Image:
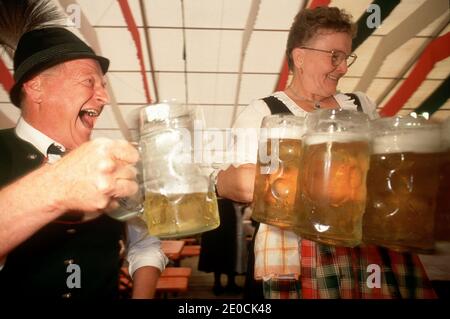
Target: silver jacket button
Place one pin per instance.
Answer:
(68, 261)
(31, 156)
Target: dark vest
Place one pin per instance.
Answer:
(38, 268)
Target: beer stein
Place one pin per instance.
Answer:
(335, 160)
(442, 226)
(279, 154)
(180, 198)
(402, 184)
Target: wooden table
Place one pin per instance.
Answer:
(172, 248)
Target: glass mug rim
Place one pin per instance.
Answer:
(400, 123)
(283, 125)
(400, 134)
(284, 115)
(337, 121)
(163, 114)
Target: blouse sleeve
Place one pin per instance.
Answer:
(246, 129)
(368, 106)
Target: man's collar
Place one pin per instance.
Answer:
(38, 139)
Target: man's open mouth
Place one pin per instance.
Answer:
(88, 117)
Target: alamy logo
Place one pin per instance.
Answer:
(374, 19)
(73, 16)
(374, 279)
(74, 279)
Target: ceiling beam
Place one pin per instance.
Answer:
(246, 35)
(149, 49)
(428, 12)
(413, 59)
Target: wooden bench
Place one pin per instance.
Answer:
(173, 285)
(172, 280)
(177, 272)
(172, 248)
(190, 251)
(125, 283)
(190, 241)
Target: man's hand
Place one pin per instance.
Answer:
(92, 176)
(87, 179)
(237, 183)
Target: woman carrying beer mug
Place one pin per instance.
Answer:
(319, 53)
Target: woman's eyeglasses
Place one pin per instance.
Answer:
(337, 56)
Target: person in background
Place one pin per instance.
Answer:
(319, 54)
(218, 257)
(60, 90)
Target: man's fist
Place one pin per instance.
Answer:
(92, 176)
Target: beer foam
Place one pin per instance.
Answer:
(340, 137)
(423, 141)
(295, 133)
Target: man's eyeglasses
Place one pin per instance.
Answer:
(337, 56)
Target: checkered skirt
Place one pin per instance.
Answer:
(368, 272)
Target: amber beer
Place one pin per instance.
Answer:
(442, 227)
(402, 185)
(277, 170)
(334, 190)
(179, 191)
(179, 215)
(334, 165)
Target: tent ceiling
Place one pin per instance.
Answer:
(213, 36)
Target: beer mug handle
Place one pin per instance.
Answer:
(133, 206)
(129, 207)
(212, 183)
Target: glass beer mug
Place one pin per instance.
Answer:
(277, 169)
(402, 184)
(180, 198)
(334, 165)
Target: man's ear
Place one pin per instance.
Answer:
(298, 56)
(33, 89)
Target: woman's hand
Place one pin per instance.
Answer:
(237, 183)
